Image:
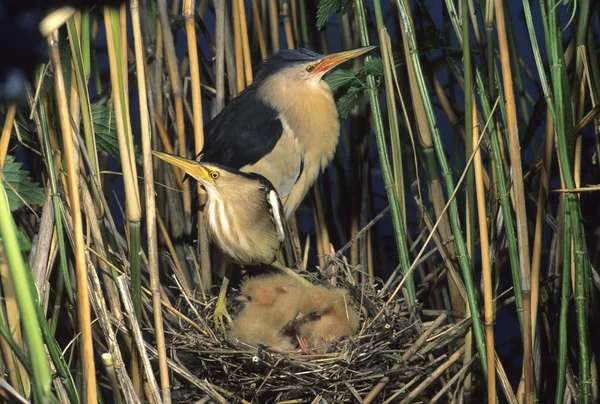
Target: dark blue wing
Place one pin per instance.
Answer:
(243, 132)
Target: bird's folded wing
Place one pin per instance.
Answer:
(242, 133)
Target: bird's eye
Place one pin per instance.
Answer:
(310, 68)
(214, 175)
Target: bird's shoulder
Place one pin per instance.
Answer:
(243, 132)
(274, 204)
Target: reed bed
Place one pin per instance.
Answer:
(461, 209)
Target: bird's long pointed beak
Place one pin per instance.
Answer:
(336, 59)
(191, 167)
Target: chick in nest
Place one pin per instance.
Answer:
(264, 290)
(271, 303)
(326, 315)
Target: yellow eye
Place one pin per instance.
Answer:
(214, 175)
(310, 68)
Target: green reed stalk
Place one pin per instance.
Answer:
(447, 175)
(470, 180)
(26, 301)
(561, 380)
(126, 149)
(564, 132)
(388, 178)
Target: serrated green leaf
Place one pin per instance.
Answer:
(20, 182)
(340, 78)
(349, 100)
(105, 128)
(24, 241)
(372, 66)
(327, 8)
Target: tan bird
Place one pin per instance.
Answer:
(272, 302)
(326, 315)
(244, 219)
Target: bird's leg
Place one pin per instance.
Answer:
(291, 272)
(220, 315)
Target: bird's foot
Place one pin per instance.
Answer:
(221, 317)
(303, 344)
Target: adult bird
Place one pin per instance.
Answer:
(243, 215)
(284, 126)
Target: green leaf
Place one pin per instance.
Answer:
(24, 241)
(340, 78)
(327, 8)
(105, 128)
(349, 100)
(372, 66)
(19, 181)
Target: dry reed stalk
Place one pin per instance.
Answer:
(133, 211)
(435, 226)
(321, 232)
(505, 383)
(123, 36)
(434, 375)
(258, 26)
(239, 51)
(241, 9)
(171, 56)
(274, 24)
(83, 304)
(466, 367)
(6, 131)
(164, 137)
(452, 115)
(406, 356)
(171, 248)
(198, 126)
(150, 203)
(287, 25)
(519, 199)
(486, 267)
(158, 69)
(219, 101)
(100, 308)
(294, 12)
(450, 267)
(39, 256)
(109, 367)
(138, 338)
(435, 186)
(14, 369)
(95, 234)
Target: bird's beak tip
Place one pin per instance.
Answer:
(336, 59)
(190, 167)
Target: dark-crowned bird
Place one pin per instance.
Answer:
(284, 126)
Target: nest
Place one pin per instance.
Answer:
(346, 372)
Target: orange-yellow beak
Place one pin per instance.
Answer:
(336, 59)
(190, 167)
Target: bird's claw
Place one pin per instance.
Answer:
(303, 344)
(221, 318)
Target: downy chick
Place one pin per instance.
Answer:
(326, 315)
(272, 301)
(265, 289)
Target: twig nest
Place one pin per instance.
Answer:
(347, 369)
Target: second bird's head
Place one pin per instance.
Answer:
(214, 178)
